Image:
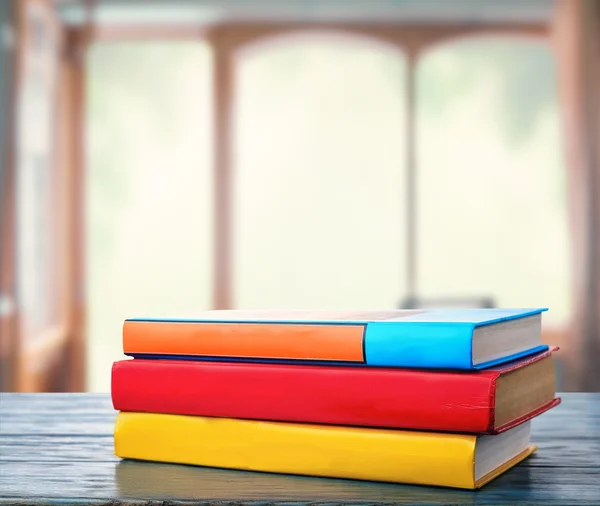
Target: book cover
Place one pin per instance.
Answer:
(489, 401)
(426, 458)
(445, 339)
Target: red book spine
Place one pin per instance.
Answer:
(373, 397)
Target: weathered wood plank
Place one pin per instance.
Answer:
(65, 414)
(130, 481)
(59, 448)
(56, 449)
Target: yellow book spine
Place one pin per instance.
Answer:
(314, 450)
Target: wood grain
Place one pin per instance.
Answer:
(58, 448)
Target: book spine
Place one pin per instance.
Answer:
(336, 452)
(424, 345)
(327, 342)
(357, 396)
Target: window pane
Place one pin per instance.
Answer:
(36, 170)
(492, 195)
(319, 176)
(149, 189)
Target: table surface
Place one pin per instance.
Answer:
(58, 448)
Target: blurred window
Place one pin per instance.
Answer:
(149, 188)
(492, 208)
(319, 174)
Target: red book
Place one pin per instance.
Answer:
(488, 401)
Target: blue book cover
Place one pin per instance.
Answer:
(465, 339)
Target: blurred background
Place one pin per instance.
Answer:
(168, 157)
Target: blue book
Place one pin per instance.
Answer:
(464, 339)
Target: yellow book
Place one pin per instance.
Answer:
(427, 458)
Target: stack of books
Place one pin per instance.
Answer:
(432, 397)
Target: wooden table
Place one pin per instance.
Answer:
(58, 448)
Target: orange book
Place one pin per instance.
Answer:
(259, 340)
(433, 339)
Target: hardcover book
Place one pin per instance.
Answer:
(489, 401)
(427, 458)
(466, 339)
